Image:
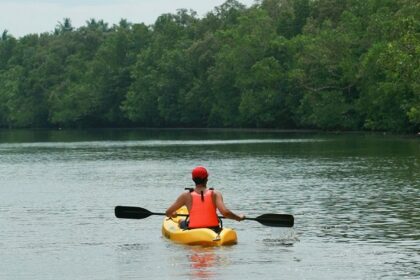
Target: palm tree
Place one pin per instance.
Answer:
(63, 27)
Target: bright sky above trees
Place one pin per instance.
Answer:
(23, 17)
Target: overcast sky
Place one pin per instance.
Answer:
(21, 17)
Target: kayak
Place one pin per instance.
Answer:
(197, 236)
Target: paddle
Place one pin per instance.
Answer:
(271, 220)
(130, 212)
(274, 220)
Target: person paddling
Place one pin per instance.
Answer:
(202, 203)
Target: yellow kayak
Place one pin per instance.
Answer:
(197, 236)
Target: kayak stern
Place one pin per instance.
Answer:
(197, 236)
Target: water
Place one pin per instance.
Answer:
(355, 199)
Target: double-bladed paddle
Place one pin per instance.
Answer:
(271, 220)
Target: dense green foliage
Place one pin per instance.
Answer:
(328, 64)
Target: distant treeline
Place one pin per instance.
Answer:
(327, 64)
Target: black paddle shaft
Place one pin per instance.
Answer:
(271, 220)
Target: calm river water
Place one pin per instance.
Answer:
(355, 198)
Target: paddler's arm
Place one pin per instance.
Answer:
(179, 202)
(224, 210)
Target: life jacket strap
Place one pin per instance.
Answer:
(192, 189)
(202, 193)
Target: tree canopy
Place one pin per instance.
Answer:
(326, 64)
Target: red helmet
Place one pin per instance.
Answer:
(199, 173)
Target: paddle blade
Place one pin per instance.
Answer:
(130, 212)
(276, 220)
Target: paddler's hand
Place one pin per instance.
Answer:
(174, 215)
(240, 218)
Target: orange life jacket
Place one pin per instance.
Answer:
(203, 210)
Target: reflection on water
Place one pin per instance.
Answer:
(204, 261)
(354, 198)
(149, 143)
